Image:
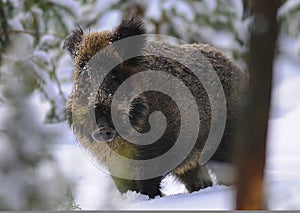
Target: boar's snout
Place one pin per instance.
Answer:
(104, 134)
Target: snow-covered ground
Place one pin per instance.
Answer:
(95, 189)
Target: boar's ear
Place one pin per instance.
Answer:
(72, 41)
(131, 27)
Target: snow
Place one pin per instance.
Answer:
(47, 40)
(154, 11)
(95, 187)
(109, 20)
(23, 43)
(219, 196)
(287, 7)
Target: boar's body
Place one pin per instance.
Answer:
(198, 56)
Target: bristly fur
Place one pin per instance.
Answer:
(128, 28)
(72, 41)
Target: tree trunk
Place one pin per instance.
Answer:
(251, 135)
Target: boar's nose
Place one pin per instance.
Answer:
(104, 134)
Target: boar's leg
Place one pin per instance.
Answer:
(195, 179)
(225, 149)
(123, 185)
(150, 187)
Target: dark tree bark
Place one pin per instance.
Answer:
(251, 135)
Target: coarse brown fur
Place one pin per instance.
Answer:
(82, 47)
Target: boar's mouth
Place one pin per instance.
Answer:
(104, 134)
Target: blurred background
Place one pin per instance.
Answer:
(41, 166)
